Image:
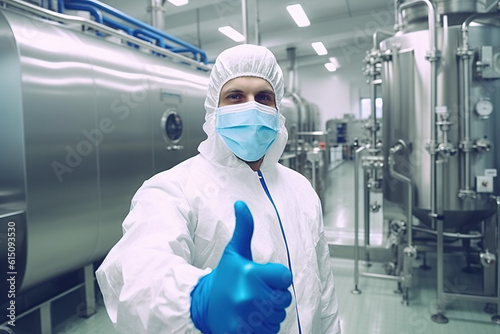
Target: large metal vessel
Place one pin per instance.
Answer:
(460, 132)
(439, 78)
(84, 121)
(306, 150)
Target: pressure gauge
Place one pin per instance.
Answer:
(484, 108)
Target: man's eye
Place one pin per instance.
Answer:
(234, 96)
(264, 98)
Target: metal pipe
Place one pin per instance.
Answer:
(397, 16)
(373, 90)
(409, 251)
(469, 298)
(295, 139)
(156, 9)
(356, 219)
(496, 317)
(313, 177)
(302, 109)
(373, 116)
(399, 148)
(366, 211)
(465, 54)
(244, 19)
(375, 37)
(45, 319)
(99, 27)
(257, 23)
(90, 303)
(449, 234)
(313, 133)
(382, 276)
(292, 69)
(467, 121)
(493, 5)
(431, 19)
(440, 273)
(198, 32)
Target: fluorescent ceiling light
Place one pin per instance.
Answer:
(231, 33)
(331, 67)
(179, 2)
(298, 15)
(334, 61)
(319, 48)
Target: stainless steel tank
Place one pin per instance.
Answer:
(457, 10)
(83, 122)
(291, 111)
(466, 143)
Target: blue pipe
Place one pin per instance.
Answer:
(93, 11)
(119, 26)
(116, 25)
(198, 54)
(60, 6)
(151, 35)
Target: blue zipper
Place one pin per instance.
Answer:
(263, 183)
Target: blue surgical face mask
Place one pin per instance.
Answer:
(248, 129)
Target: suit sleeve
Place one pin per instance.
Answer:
(147, 277)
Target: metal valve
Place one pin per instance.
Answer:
(483, 145)
(410, 251)
(447, 149)
(487, 259)
(397, 227)
(375, 207)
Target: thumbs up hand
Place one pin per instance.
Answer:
(239, 295)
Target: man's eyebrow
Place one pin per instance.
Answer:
(237, 90)
(267, 91)
(232, 90)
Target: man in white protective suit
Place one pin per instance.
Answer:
(228, 241)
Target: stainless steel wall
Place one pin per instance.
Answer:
(80, 130)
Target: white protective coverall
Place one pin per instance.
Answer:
(182, 219)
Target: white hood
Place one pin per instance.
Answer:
(239, 61)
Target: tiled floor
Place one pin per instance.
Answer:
(378, 309)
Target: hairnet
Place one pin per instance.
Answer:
(239, 61)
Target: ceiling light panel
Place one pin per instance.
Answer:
(298, 15)
(330, 67)
(319, 48)
(334, 61)
(179, 2)
(232, 33)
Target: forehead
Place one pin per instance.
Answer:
(247, 83)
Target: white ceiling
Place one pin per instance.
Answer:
(344, 26)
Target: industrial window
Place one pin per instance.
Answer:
(365, 108)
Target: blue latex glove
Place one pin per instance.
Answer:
(241, 296)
